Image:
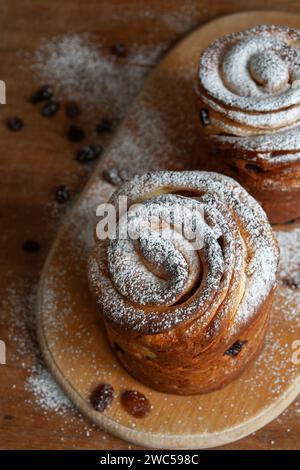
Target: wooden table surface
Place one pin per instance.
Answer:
(34, 161)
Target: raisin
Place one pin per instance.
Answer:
(42, 94)
(235, 348)
(15, 124)
(89, 153)
(104, 126)
(50, 109)
(115, 176)
(292, 283)
(102, 397)
(253, 167)
(62, 194)
(119, 50)
(293, 221)
(204, 117)
(76, 134)
(31, 246)
(135, 403)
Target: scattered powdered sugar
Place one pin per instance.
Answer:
(146, 148)
(17, 307)
(180, 20)
(290, 275)
(18, 311)
(290, 252)
(81, 69)
(47, 394)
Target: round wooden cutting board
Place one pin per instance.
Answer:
(159, 133)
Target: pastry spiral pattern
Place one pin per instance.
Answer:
(251, 80)
(248, 99)
(182, 289)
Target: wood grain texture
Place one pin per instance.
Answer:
(33, 163)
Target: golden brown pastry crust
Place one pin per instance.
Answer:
(186, 320)
(248, 105)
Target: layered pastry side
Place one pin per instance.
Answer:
(248, 110)
(186, 298)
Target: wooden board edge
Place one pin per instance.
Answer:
(158, 440)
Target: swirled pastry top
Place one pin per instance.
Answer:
(209, 255)
(255, 76)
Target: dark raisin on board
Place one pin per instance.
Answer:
(115, 176)
(135, 403)
(235, 348)
(42, 94)
(204, 117)
(62, 194)
(89, 153)
(253, 167)
(50, 108)
(102, 397)
(72, 109)
(14, 124)
(76, 133)
(292, 283)
(119, 50)
(104, 126)
(31, 246)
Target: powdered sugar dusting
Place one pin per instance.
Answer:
(256, 233)
(18, 309)
(148, 146)
(290, 252)
(287, 142)
(46, 392)
(235, 52)
(290, 275)
(81, 69)
(249, 82)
